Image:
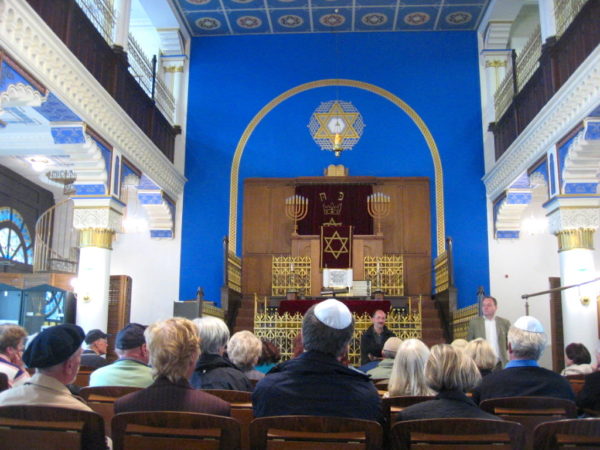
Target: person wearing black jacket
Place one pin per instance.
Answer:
(213, 369)
(372, 340)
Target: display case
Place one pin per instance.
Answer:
(10, 304)
(46, 305)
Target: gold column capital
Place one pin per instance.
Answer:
(582, 238)
(96, 237)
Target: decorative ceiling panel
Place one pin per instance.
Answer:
(237, 17)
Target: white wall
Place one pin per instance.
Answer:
(523, 266)
(153, 265)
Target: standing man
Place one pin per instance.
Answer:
(492, 328)
(96, 344)
(372, 340)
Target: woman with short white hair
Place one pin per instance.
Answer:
(244, 349)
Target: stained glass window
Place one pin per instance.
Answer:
(15, 240)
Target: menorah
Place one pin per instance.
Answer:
(296, 208)
(378, 206)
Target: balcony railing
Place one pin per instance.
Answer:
(538, 78)
(69, 22)
(102, 15)
(565, 12)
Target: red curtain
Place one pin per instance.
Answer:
(336, 247)
(336, 205)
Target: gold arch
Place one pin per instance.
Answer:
(435, 156)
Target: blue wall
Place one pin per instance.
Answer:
(232, 78)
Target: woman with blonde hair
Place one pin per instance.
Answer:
(173, 346)
(482, 353)
(451, 374)
(408, 376)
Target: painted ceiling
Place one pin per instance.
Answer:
(239, 17)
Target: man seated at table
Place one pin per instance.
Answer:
(372, 340)
(55, 353)
(522, 376)
(131, 369)
(316, 383)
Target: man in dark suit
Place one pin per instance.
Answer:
(492, 328)
(522, 375)
(316, 382)
(372, 340)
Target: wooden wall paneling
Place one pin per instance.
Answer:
(256, 213)
(281, 226)
(416, 218)
(417, 274)
(256, 276)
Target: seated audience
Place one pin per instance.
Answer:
(55, 353)
(408, 371)
(589, 396)
(316, 383)
(213, 369)
(243, 350)
(384, 368)
(269, 356)
(96, 346)
(372, 340)
(578, 360)
(297, 346)
(131, 369)
(451, 373)
(12, 344)
(522, 376)
(482, 353)
(173, 345)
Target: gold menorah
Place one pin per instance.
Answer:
(296, 208)
(378, 205)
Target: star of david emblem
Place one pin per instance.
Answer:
(336, 120)
(336, 238)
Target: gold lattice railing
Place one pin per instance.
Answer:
(460, 320)
(290, 273)
(565, 11)
(442, 279)
(504, 94)
(386, 273)
(528, 58)
(282, 329)
(234, 272)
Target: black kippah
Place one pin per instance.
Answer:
(53, 345)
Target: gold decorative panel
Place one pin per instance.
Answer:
(440, 265)
(386, 273)
(460, 320)
(406, 323)
(234, 272)
(290, 273)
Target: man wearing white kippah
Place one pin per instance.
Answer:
(316, 383)
(522, 375)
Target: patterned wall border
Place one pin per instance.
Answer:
(32, 44)
(435, 156)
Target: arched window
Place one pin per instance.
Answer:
(15, 240)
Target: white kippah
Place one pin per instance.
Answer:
(333, 313)
(529, 323)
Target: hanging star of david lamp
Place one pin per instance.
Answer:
(336, 126)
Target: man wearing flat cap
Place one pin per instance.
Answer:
(96, 346)
(316, 383)
(55, 353)
(131, 369)
(522, 376)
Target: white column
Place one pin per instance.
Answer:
(123, 10)
(97, 220)
(547, 19)
(574, 221)
(92, 287)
